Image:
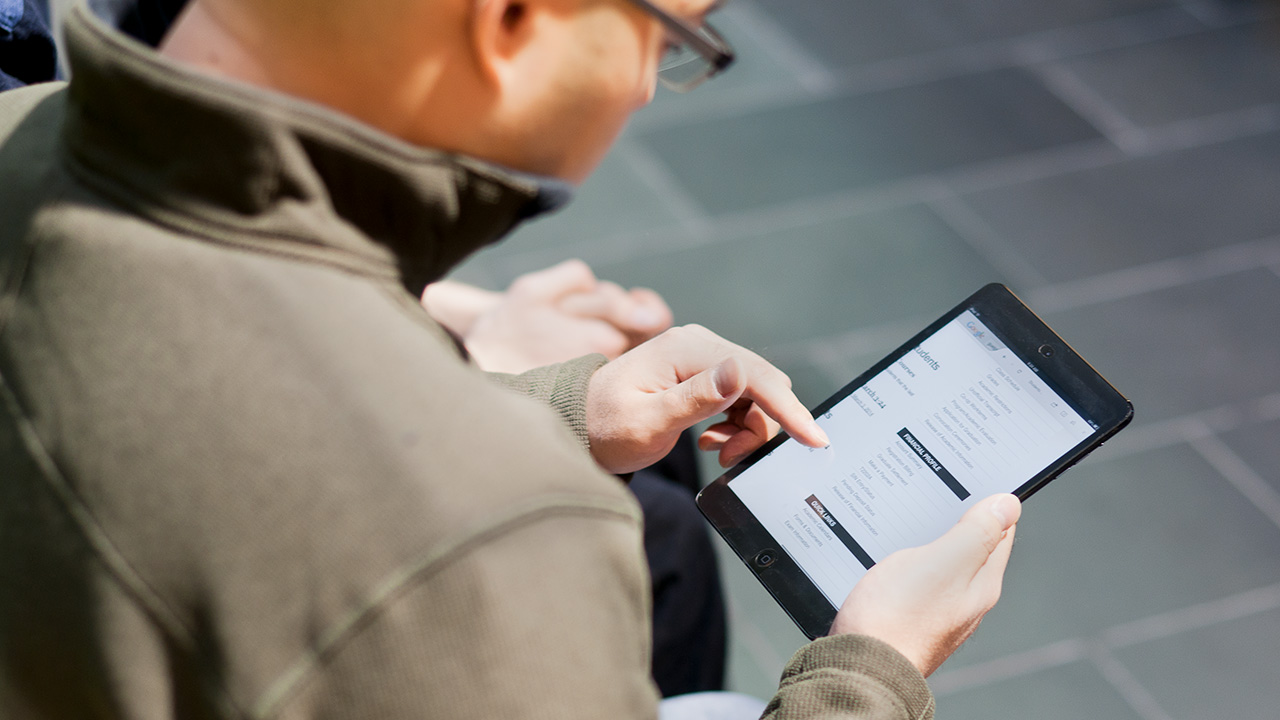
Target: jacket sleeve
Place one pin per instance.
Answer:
(562, 386)
(851, 677)
(846, 677)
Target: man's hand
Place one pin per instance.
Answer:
(547, 317)
(927, 601)
(639, 404)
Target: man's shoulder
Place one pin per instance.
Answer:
(245, 424)
(17, 104)
(289, 445)
(176, 366)
(30, 120)
(277, 366)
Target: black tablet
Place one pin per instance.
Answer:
(985, 400)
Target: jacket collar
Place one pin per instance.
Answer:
(255, 168)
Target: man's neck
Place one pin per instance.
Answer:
(202, 38)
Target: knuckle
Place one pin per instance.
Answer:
(701, 332)
(609, 343)
(782, 377)
(992, 533)
(576, 268)
(681, 333)
(611, 290)
(522, 285)
(676, 401)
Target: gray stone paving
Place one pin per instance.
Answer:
(1117, 162)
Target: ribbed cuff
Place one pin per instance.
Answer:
(854, 675)
(563, 387)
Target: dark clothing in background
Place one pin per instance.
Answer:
(688, 607)
(689, 626)
(145, 20)
(27, 52)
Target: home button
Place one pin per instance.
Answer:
(765, 558)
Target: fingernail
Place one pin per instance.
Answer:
(726, 379)
(643, 317)
(822, 436)
(1000, 508)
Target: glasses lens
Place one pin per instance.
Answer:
(682, 68)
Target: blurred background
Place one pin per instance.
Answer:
(868, 164)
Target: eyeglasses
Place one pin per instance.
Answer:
(694, 54)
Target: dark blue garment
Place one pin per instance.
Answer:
(27, 53)
(145, 20)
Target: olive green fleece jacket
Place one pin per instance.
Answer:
(242, 474)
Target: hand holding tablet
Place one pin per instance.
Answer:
(927, 601)
(986, 400)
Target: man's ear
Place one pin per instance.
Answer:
(499, 30)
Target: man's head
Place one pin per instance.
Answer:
(538, 85)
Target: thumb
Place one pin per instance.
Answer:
(704, 395)
(971, 542)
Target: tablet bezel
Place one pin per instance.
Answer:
(1024, 333)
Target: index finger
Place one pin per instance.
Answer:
(770, 389)
(762, 383)
(790, 413)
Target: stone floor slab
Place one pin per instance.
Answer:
(783, 154)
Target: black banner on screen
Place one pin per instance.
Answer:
(943, 474)
(817, 507)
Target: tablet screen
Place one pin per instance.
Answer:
(958, 418)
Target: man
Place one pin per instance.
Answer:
(247, 476)
(546, 317)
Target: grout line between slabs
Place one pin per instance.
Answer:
(669, 190)
(987, 242)
(691, 231)
(816, 210)
(824, 352)
(1158, 275)
(1090, 105)
(1202, 12)
(1211, 129)
(810, 72)
(1201, 431)
(1243, 478)
(1192, 427)
(1020, 51)
(1115, 673)
(1100, 647)
(1169, 624)
(1008, 667)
